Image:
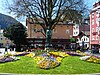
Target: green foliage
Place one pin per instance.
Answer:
(72, 39)
(16, 33)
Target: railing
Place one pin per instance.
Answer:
(94, 33)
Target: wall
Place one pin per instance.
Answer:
(61, 31)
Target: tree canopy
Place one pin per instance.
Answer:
(50, 11)
(16, 33)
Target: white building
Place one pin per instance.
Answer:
(83, 38)
(3, 40)
(82, 34)
(75, 30)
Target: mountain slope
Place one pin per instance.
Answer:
(6, 20)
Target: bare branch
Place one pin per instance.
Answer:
(50, 11)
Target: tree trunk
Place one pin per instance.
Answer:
(48, 38)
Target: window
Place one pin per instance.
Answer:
(98, 10)
(96, 29)
(92, 37)
(41, 30)
(86, 39)
(76, 27)
(77, 39)
(92, 15)
(86, 45)
(82, 39)
(92, 30)
(97, 22)
(34, 30)
(1, 38)
(67, 31)
(76, 32)
(92, 22)
(96, 37)
(97, 14)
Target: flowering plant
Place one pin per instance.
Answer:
(94, 59)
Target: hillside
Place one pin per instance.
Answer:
(6, 20)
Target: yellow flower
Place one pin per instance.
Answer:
(78, 51)
(59, 59)
(31, 55)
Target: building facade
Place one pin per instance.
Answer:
(75, 30)
(82, 34)
(60, 34)
(3, 40)
(83, 40)
(95, 26)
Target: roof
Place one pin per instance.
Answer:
(81, 34)
(84, 28)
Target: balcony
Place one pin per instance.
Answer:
(94, 33)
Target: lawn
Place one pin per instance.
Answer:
(69, 65)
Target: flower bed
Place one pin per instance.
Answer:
(30, 54)
(93, 59)
(77, 53)
(39, 58)
(48, 63)
(73, 54)
(21, 53)
(9, 57)
(50, 60)
(60, 54)
(4, 59)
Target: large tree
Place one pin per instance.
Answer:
(17, 34)
(50, 11)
